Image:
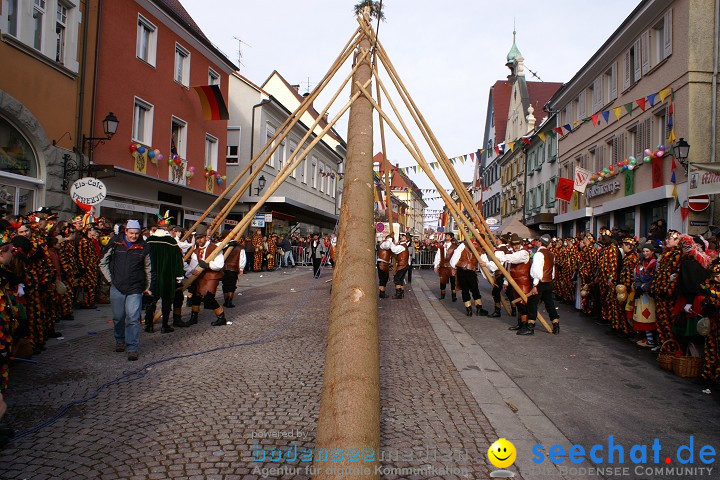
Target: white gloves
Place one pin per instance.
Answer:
(688, 308)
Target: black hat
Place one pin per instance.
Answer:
(451, 234)
(545, 240)
(201, 231)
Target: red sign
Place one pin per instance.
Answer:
(698, 203)
(380, 227)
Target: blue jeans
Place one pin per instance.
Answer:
(288, 254)
(126, 311)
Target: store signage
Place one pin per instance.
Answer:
(268, 218)
(547, 227)
(602, 189)
(88, 190)
(258, 220)
(491, 221)
(704, 178)
(698, 223)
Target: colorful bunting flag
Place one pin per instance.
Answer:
(641, 103)
(664, 93)
(542, 136)
(628, 107)
(606, 116)
(595, 119)
(618, 112)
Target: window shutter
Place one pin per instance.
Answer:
(599, 157)
(541, 194)
(639, 141)
(645, 49)
(647, 132)
(667, 34)
(626, 80)
(598, 94)
(613, 82)
(637, 64)
(614, 149)
(582, 105)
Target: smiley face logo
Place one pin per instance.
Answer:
(502, 453)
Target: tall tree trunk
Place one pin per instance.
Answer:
(350, 405)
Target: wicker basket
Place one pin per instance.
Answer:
(669, 350)
(687, 367)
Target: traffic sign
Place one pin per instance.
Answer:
(441, 229)
(380, 227)
(698, 203)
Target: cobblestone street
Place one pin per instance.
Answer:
(199, 416)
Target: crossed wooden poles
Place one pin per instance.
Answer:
(472, 220)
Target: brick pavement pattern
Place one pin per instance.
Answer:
(200, 416)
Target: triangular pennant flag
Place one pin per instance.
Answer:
(674, 192)
(542, 136)
(677, 204)
(512, 146)
(673, 165)
(618, 112)
(525, 140)
(664, 93)
(684, 212)
(671, 137)
(628, 107)
(472, 157)
(558, 130)
(651, 98)
(672, 178)
(606, 115)
(575, 123)
(641, 103)
(452, 161)
(568, 127)
(415, 168)
(595, 119)
(462, 159)
(586, 119)
(497, 150)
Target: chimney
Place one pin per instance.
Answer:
(296, 87)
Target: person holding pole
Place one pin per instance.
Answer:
(519, 261)
(234, 266)
(402, 261)
(383, 264)
(209, 277)
(542, 272)
(465, 263)
(318, 251)
(442, 265)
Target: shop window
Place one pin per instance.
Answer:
(16, 155)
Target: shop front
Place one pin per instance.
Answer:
(20, 182)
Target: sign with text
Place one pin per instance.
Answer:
(565, 188)
(602, 189)
(88, 190)
(704, 178)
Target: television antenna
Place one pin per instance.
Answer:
(240, 54)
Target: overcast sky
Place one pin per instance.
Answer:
(447, 53)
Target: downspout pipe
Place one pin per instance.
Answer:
(83, 77)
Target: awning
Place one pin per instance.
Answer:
(514, 226)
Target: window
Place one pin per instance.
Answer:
(12, 17)
(178, 137)
(213, 77)
(142, 122)
(660, 127)
(323, 174)
(291, 149)
(211, 151)
(659, 40)
(182, 65)
(334, 185)
(550, 192)
(146, 41)
(608, 86)
(233, 146)
(314, 172)
(279, 156)
(269, 133)
(633, 65)
(304, 171)
(60, 24)
(38, 21)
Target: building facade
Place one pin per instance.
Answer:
(409, 196)
(541, 178)
(165, 154)
(48, 50)
(308, 200)
(642, 90)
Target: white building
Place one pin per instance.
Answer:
(308, 201)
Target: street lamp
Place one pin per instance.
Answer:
(261, 185)
(110, 124)
(682, 151)
(513, 202)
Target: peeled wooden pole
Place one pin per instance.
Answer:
(245, 221)
(284, 129)
(458, 214)
(349, 418)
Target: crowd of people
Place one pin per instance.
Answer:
(661, 292)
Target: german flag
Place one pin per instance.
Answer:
(212, 102)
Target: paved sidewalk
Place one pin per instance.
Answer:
(200, 416)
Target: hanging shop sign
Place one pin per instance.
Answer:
(703, 178)
(88, 190)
